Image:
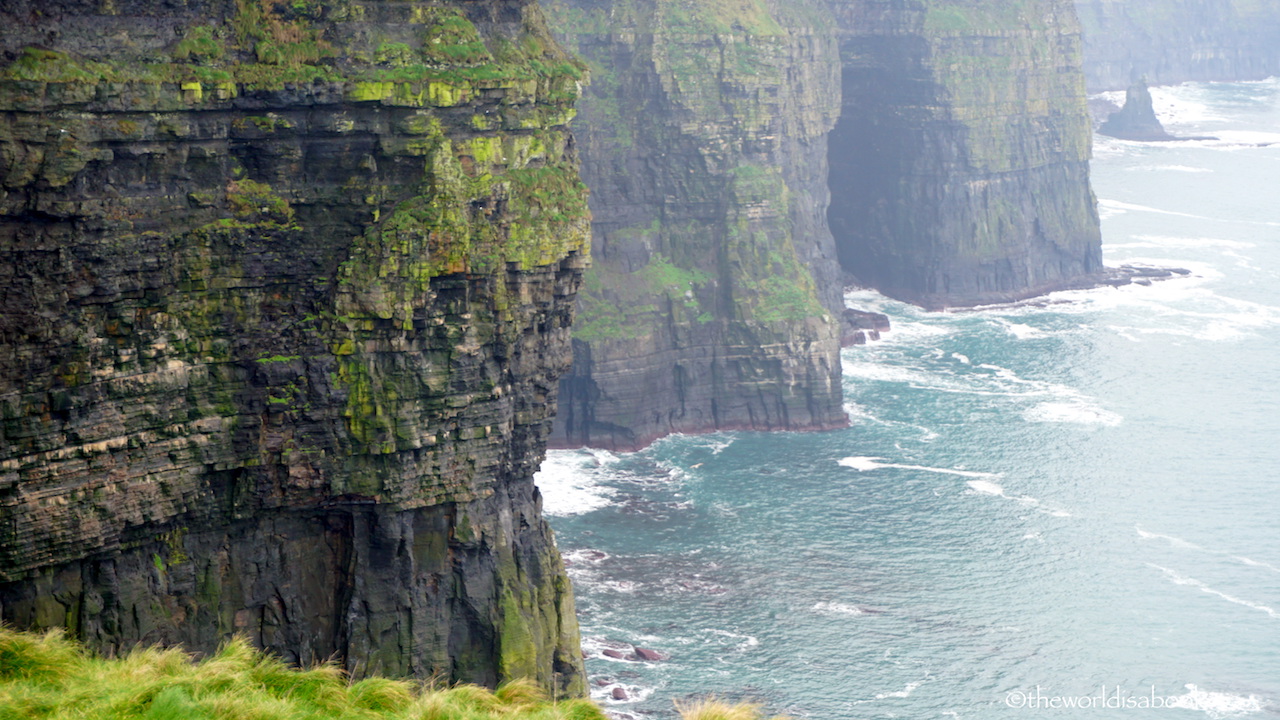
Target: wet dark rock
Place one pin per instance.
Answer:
(651, 655)
(619, 693)
(859, 326)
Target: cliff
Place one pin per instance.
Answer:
(286, 293)
(1173, 41)
(713, 301)
(959, 166)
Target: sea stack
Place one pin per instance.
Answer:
(1137, 119)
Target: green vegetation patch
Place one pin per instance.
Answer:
(256, 201)
(957, 17)
(450, 37)
(48, 676)
(270, 44)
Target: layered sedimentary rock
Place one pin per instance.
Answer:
(286, 291)
(959, 167)
(1172, 41)
(713, 298)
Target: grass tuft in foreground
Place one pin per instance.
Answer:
(717, 710)
(50, 677)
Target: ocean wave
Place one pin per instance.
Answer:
(999, 382)
(986, 487)
(1168, 168)
(838, 608)
(1183, 307)
(1182, 105)
(1174, 541)
(1188, 545)
(584, 556)
(897, 694)
(1131, 207)
(859, 414)
(567, 484)
(1166, 241)
(1236, 139)
(740, 642)
(1218, 705)
(905, 692)
(1255, 563)
(864, 464)
(1020, 331)
(630, 693)
(1077, 413)
(1120, 206)
(1179, 579)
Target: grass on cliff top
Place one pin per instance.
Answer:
(49, 676)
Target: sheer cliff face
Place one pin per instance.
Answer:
(287, 291)
(1172, 41)
(959, 167)
(703, 141)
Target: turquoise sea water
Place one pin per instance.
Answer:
(1073, 501)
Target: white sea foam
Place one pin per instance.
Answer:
(1106, 212)
(986, 487)
(635, 693)
(718, 445)
(863, 464)
(962, 358)
(581, 556)
(1175, 542)
(1170, 241)
(856, 413)
(1218, 705)
(1001, 383)
(1186, 545)
(568, 486)
(1256, 563)
(905, 692)
(741, 642)
(1169, 168)
(1185, 307)
(1071, 412)
(1020, 331)
(1241, 139)
(838, 608)
(1181, 105)
(1117, 205)
(1179, 579)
